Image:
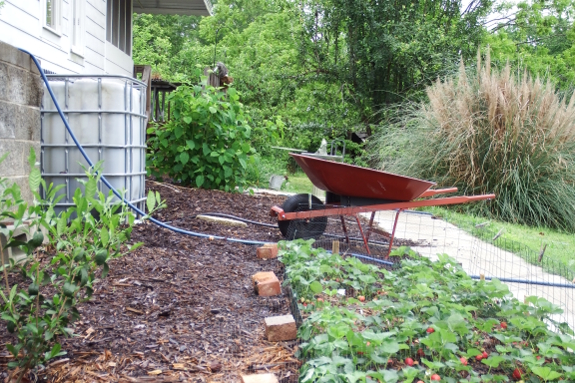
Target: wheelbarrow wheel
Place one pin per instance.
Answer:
(302, 228)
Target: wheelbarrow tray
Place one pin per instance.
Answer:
(355, 181)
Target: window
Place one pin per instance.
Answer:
(119, 25)
(77, 21)
(52, 18)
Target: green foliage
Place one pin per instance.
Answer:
(169, 44)
(325, 67)
(430, 312)
(492, 132)
(540, 38)
(207, 143)
(384, 51)
(84, 237)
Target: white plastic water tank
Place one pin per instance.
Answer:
(108, 117)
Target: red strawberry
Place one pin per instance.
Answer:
(463, 361)
(485, 355)
(517, 374)
(538, 357)
(479, 357)
(409, 361)
(361, 298)
(503, 325)
(430, 330)
(368, 344)
(435, 377)
(420, 352)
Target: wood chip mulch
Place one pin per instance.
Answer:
(180, 308)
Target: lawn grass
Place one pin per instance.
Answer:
(560, 248)
(297, 183)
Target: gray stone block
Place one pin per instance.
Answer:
(33, 67)
(13, 56)
(8, 117)
(17, 85)
(35, 90)
(13, 165)
(4, 82)
(19, 122)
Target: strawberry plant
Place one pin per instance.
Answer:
(430, 319)
(84, 239)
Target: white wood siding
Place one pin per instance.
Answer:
(22, 25)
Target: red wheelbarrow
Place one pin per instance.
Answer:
(351, 190)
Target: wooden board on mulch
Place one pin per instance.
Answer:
(180, 308)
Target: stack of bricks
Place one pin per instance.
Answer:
(278, 328)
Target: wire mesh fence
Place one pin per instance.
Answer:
(527, 272)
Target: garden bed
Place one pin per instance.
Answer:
(179, 308)
(425, 320)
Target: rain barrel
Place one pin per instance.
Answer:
(108, 117)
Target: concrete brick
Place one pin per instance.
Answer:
(19, 122)
(260, 378)
(266, 284)
(4, 83)
(267, 251)
(13, 165)
(280, 328)
(13, 56)
(35, 90)
(17, 85)
(8, 117)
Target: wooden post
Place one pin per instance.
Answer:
(541, 252)
(335, 247)
(213, 78)
(482, 277)
(146, 72)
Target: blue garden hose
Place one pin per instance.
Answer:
(132, 206)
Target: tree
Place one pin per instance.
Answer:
(537, 36)
(169, 44)
(386, 51)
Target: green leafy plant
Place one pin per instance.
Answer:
(421, 320)
(207, 143)
(83, 240)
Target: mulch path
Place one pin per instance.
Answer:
(179, 308)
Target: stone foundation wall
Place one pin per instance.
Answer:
(20, 97)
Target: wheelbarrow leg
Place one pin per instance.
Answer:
(344, 229)
(370, 224)
(393, 232)
(362, 235)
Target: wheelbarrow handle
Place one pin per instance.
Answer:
(431, 193)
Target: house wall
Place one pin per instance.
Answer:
(20, 97)
(22, 25)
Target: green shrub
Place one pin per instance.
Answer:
(207, 143)
(40, 310)
(491, 131)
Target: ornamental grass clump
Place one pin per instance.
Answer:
(492, 132)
